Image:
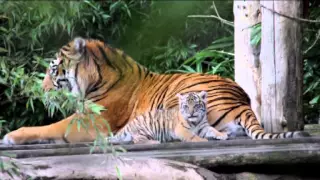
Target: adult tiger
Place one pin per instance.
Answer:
(109, 77)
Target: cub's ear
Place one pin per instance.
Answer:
(181, 97)
(79, 45)
(203, 95)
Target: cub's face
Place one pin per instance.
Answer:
(192, 106)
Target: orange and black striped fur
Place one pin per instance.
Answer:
(111, 78)
(187, 122)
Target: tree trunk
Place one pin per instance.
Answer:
(281, 66)
(247, 65)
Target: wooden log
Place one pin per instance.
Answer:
(208, 154)
(235, 156)
(104, 167)
(246, 61)
(259, 176)
(281, 66)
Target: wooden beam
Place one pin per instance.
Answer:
(224, 152)
(281, 66)
(173, 145)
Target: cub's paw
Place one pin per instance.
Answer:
(199, 139)
(222, 136)
(214, 135)
(146, 141)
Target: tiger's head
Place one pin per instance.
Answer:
(59, 73)
(56, 76)
(80, 66)
(91, 68)
(192, 106)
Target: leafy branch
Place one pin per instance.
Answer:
(213, 16)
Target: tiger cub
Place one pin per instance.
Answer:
(188, 122)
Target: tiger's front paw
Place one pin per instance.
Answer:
(19, 136)
(211, 135)
(222, 136)
(24, 135)
(147, 142)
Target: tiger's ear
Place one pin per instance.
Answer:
(203, 95)
(79, 45)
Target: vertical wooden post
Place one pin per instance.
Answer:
(247, 69)
(281, 66)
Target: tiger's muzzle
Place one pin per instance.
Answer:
(47, 83)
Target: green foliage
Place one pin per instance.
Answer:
(255, 36)
(217, 58)
(311, 46)
(171, 55)
(164, 37)
(20, 90)
(32, 31)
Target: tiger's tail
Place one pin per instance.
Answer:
(253, 128)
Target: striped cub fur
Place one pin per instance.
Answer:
(188, 122)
